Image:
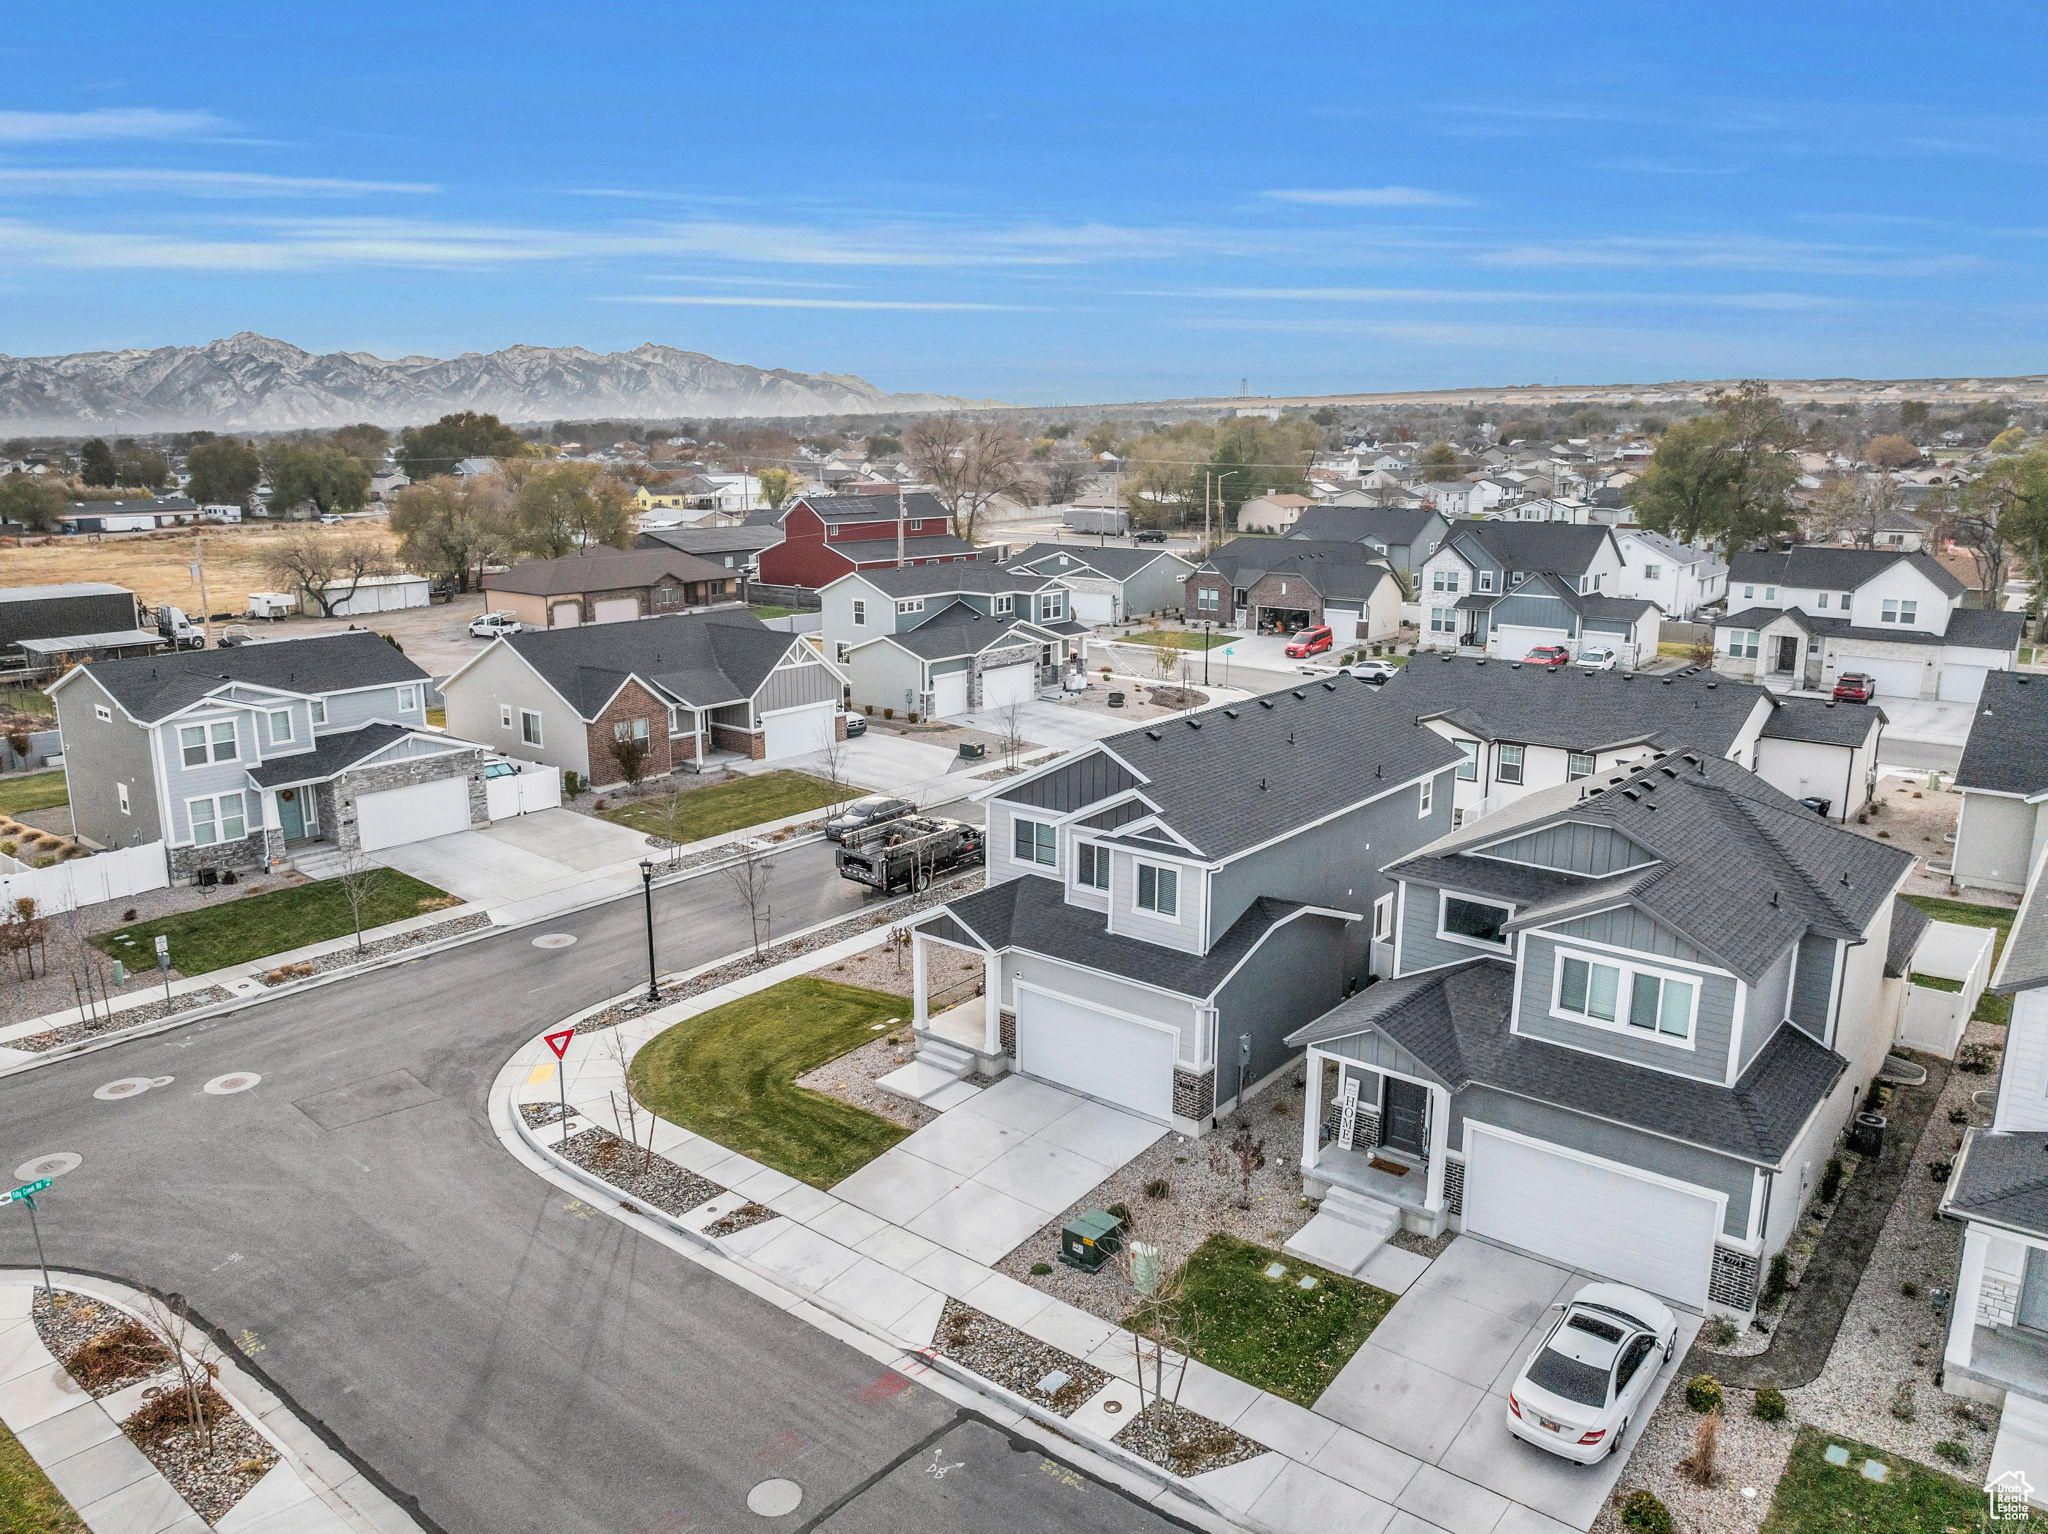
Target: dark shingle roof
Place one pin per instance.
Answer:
(1824, 568)
(1031, 913)
(2007, 751)
(1333, 569)
(883, 550)
(1395, 526)
(1455, 1021)
(2023, 965)
(1118, 564)
(1908, 923)
(151, 687)
(918, 505)
(1573, 709)
(965, 575)
(2003, 1177)
(1566, 547)
(603, 570)
(1823, 721)
(707, 541)
(957, 629)
(702, 659)
(330, 753)
(1976, 627)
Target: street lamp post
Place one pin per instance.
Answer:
(647, 888)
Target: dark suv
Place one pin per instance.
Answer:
(862, 813)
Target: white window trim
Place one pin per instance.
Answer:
(1592, 765)
(317, 709)
(1383, 919)
(504, 716)
(1467, 770)
(910, 605)
(860, 613)
(1005, 605)
(1624, 997)
(1085, 848)
(1425, 798)
(102, 713)
(121, 795)
(214, 801)
(270, 719)
(1176, 915)
(1520, 769)
(1443, 897)
(1034, 861)
(534, 740)
(409, 698)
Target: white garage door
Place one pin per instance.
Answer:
(1093, 606)
(1512, 641)
(1075, 1045)
(1963, 684)
(949, 694)
(565, 615)
(1895, 678)
(1009, 684)
(412, 813)
(1588, 1214)
(794, 731)
(617, 610)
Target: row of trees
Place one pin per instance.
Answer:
(455, 527)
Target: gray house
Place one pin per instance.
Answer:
(2003, 778)
(1404, 536)
(1110, 584)
(238, 758)
(1280, 585)
(1165, 906)
(1504, 588)
(1628, 1020)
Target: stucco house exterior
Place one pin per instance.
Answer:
(1679, 577)
(1805, 615)
(1274, 512)
(2003, 779)
(680, 687)
(1109, 584)
(1260, 584)
(244, 757)
(608, 586)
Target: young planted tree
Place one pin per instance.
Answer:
(630, 753)
(1010, 739)
(750, 875)
(1240, 1158)
(359, 879)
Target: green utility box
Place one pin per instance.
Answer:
(973, 750)
(1090, 1239)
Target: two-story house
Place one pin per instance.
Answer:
(1628, 1020)
(1504, 588)
(1525, 728)
(1460, 498)
(1805, 615)
(1680, 578)
(944, 640)
(1109, 584)
(677, 688)
(1265, 585)
(827, 536)
(1404, 536)
(240, 758)
(1274, 512)
(2001, 831)
(1163, 907)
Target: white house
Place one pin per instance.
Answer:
(1680, 578)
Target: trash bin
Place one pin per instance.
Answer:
(1866, 1134)
(1116, 700)
(1090, 1239)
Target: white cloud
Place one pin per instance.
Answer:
(737, 301)
(103, 123)
(1497, 296)
(197, 183)
(1736, 252)
(1367, 197)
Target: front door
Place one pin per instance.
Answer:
(2033, 1306)
(1788, 652)
(1407, 1117)
(291, 813)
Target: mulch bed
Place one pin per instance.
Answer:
(1185, 1442)
(743, 1218)
(212, 1482)
(116, 1022)
(67, 1322)
(653, 1180)
(348, 957)
(1015, 1360)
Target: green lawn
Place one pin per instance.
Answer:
(770, 610)
(1814, 1497)
(1266, 1331)
(257, 926)
(29, 1504)
(33, 791)
(728, 807)
(1180, 639)
(730, 1075)
(1991, 1007)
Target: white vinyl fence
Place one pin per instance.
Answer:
(111, 875)
(1934, 1019)
(533, 787)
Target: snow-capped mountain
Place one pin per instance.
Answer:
(252, 383)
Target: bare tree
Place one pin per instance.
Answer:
(1160, 1336)
(750, 874)
(325, 570)
(1063, 474)
(1239, 1157)
(968, 464)
(1010, 732)
(197, 1366)
(832, 767)
(24, 935)
(359, 879)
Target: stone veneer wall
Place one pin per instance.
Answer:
(1998, 1302)
(351, 785)
(1454, 1185)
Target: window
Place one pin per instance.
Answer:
(280, 726)
(860, 613)
(842, 650)
(1508, 759)
(1899, 612)
(910, 605)
(121, 793)
(1652, 572)
(1479, 922)
(318, 709)
(1033, 841)
(1821, 601)
(201, 743)
(1770, 593)
(1577, 764)
(102, 713)
(1468, 769)
(1237, 595)
(1383, 919)
(1426, 799)
(1749, 593)
(1742, 643)
(409, 698)
(1623, 996)
(1005, 605)
(1443, 580)
(1091, 866)
(529, 726)
(631, 729)
(504, 716)
(1158, 890)
(665, 596)
(1205, 598)
(1483, 581)
(1443, 620)
(217, 820)
(1053, 608)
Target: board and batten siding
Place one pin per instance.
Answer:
(1525, 610)
(1626, 927)
(1573, 846)
(1713, 1024)
(792, 686)
(2023, 1083)
(1813, 985)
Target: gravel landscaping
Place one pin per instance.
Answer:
(212, 1478)
(886, 967)
(653, 1180)
(743, 1218)
(1184, 1442)
(117, 1022)
(1756, 1337)
(539, 1115)
(1015, 1360)
(1920, 820)
(851, 1078)
(348, 958)
(66, 1322)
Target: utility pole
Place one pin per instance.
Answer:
(899, 525)
(199, 570)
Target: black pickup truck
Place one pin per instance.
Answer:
(908, 853)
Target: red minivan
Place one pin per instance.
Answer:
(1311, 642)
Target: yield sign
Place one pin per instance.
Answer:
(559, 1042)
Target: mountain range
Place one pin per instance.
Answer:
(250, 382)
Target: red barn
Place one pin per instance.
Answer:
(827, 536)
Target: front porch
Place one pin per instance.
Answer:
(1377, 1129)
(958, 1028)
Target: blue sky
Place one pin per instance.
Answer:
(1044, 202)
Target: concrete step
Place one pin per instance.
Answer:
(1362, 1210)
(944, 1054)
(1346, 1233)
(927, 1084)
(320, 862)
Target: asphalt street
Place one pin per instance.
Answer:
(480, 1339)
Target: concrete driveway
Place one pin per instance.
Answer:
(1431, 1386)
(549, 860)
(878, 760)
(1051, 724)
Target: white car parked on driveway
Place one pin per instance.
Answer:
(1586, 1381)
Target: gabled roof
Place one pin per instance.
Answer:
(710, 540)
(1348, 570)
(2023, 964)
(1908, 923)
(976, 575)
(1823, 721)
(153, 687)
(2002, 1177)
(1395, 526)
(1455, 1023)
(604, 570)
(1566, 547)
(918, 505)
(957, 629)
(1115, 563)
(1670, 550)
(1825, 568)
(700, 659)
(2007, 752)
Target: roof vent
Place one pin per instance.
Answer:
(1262, 785)
(1299, 694)
(1290, 737)
(1447, 659)
(1329, 687)
(1380, 771)
(1152, 735)
(2021, 678)
(1194, 724)
(1230, 713)
(1265, 703)
(1829, 704)
(1631, 795)
(1667, 681)
(1774, 900)
(1845, 881)
(1712, 685)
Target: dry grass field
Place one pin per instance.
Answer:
(155, 566)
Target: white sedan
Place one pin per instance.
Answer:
(491, 625)
(1587, 1379)
(1598, 658)
(1374, 671)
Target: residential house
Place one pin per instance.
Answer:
(1503, 588)
(1521, 729)
(1404, 536)
(943, 640)
(608, 585)
(1110, 584)
(827, 536)
(1680, 578)
(2003, 780)
(241, 758)
(1545, 508)
(1807, 614)
(1164, 906)
(1266, 586)
(669, 495)
(679, 688)
(1629, 1019)
(1457, 498)
(1273, 512)
(731, 548)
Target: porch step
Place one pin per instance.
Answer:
(927, 1084)
(320, 862)
(944, 1055)
(1346, 1232)
(2022, 1444)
